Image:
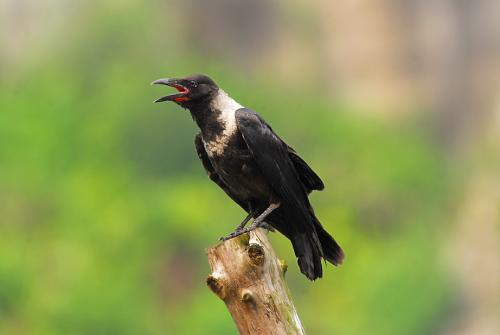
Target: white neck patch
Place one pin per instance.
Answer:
(227, 107)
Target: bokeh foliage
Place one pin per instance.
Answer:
(106, 210)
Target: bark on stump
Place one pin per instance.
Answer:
(249, 278)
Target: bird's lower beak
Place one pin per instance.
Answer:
(183, 91)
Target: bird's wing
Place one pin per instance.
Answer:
(212, 174)
(308, 177)
(278, 168)
(273, 159)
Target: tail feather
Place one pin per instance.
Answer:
(332, 252)
(308, 252)
(311, 246)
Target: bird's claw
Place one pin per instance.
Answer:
(234, 234)
(239, 232)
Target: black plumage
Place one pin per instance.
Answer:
(244, 156)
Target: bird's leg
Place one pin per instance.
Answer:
(258, 222)
(244, 222)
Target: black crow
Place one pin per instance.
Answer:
(257, 169)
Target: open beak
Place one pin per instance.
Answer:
(183, 91)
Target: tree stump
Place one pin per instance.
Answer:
(249, 278)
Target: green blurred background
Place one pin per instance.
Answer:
(106, 210)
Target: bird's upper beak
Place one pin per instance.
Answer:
(175, 83)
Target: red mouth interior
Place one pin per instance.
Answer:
(181, 89)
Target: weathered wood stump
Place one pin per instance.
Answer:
(249, 278)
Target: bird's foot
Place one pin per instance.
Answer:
(234, 234)
(238, 232)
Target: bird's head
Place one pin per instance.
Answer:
(191, 90)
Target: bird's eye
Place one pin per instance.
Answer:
(194, 83)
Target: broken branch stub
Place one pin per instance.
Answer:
(249, 278)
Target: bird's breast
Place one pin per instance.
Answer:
(224, 141)
(217, 146)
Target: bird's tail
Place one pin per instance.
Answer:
(308, 251)
(310, 247)
(332, 251)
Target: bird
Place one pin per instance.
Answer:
(266, 177)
